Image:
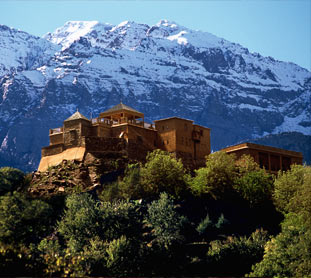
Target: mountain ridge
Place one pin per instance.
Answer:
(161, 70)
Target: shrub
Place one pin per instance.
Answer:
(23, 220)
(10, 179)
(163, 173)
(235, 255)
(216, 178)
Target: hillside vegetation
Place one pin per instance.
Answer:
(229, 218)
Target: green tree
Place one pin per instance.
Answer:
(163, 173)
(255, 186)
(288, 254)
(208, 230)
(120, 218)
(246, 164)
(165, 222)
(122, 258)
(80, 221)
(235, 255)
(216, 178)
(23, 220)
(287, 186)
(10, 179)
(131, 186)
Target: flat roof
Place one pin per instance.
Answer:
(201, 126)
(170, 118)
(254, 146)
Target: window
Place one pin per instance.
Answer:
(286, 161)
(162, 127)
(275, 162)
(185, 126)
(264, 160)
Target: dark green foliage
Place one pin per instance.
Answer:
(216, 178)
(80, 221)
(235, 255)
(288, 254)
(287, 187)
(163, 173)
(11, 179)
(165, 238)
(208, 229)
(255, 187)
(204, 225)
(23, 220)
(122, 258)
(165, 223)
(119, 218)
(164, 230)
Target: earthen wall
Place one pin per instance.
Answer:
(97, 144)
(51, 150)
(166, 134)
(56, 138)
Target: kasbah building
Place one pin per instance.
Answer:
(123, 129)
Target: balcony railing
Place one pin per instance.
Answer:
(56, 130)
(120, 121)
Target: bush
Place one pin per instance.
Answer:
(287, 187)
(288, 254)
(163, 173)
(165, 223)
(235, 255)
(23, 220)
(10, 179)
(80, 221)
(255, 187)
(216, 178)
(208, 230)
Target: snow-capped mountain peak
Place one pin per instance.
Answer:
(70, 32)
(162, 70)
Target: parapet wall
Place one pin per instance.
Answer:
(98, 144)
(52, 150)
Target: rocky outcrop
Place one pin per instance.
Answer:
(75, 176)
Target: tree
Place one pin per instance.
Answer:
(131, 187)
(235, 255)
(216, 178)
(120, 218)
(163, 173)
(255, 186)
(80, 221)
(10, 179)
(287, 186)
(165, 223)
(288, 254)
(23, 220)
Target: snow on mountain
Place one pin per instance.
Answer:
(162, 70)
(22, 51)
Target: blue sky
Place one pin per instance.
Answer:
(281, 29)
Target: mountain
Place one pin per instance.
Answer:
(161, 70)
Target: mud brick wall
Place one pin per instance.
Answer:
(98, 144)
(51, 150)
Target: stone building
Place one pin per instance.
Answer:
(123, 129)
(270, 158)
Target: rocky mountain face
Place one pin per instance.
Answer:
(162, 70)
